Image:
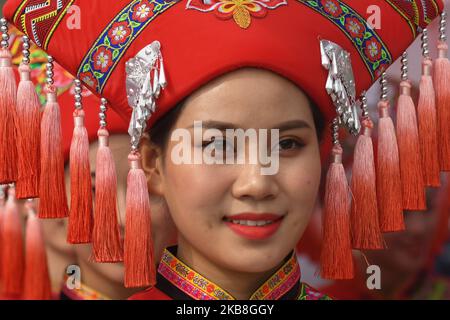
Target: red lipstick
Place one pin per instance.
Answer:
(254, 226)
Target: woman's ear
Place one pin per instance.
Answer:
(152, 160)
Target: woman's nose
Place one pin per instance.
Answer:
(251, 183)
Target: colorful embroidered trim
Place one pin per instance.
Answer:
(198, 287)
(83, 293)
(280, 283)
(418, 13)
(108, 49)
(369, 45)
(189, 281)
(240, 10)
(307, 293)
(39, 19)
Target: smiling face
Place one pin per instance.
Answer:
(206, 199)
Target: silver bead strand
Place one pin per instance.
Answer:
(49, 72)
(26, 50)
(77, 96)
(364, 109)
(5, 35)
(384, 90)
(335, 131)
(425, 50)
(442, 27)
(404, 66)
(102, 113)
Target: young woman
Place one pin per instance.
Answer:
(259, 65)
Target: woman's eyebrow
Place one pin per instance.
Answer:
(292, 124)
(222, 126)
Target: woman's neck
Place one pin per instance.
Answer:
(241, 285)
(98, 282)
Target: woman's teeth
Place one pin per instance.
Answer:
(251, 223)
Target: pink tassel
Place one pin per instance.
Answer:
(426, 114)
(366, 233)
(442, 88)
(8, 118)
(52, 188)
(29, 124)
(12, 248)
(336, 255)
(106, 242)
(80, 218)
(413, 187)
(37, 281)
(389, 185)
(138, 256)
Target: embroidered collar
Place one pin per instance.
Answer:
(82, 293)
(181, 282)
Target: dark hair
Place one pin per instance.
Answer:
(160, 132)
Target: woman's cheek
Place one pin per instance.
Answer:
(300, 183)
(193, 189)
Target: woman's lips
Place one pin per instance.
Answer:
(254, 226)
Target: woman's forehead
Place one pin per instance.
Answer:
(247, 97)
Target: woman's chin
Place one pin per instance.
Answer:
(254, 260)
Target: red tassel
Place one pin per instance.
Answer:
(29, 126)
(12, 248)
(52, 188)
(106, 242)
(442, 87)
(8, 118)
(426, 114)
(389, 185)
(336, 256)
(36, 281)
(413, 187)
(138, 256)
(80, 218)
(366, 233)
(2, 214)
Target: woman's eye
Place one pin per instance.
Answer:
(289, 144)
(218, 145)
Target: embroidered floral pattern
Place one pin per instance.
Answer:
(143, 11)
(332, 7)
(373, 49)
(119, 32)
(108, 49)
(200, 288)
(369, 45)
(240, 10)
(102, 59)
(354, 27)
(89, 79)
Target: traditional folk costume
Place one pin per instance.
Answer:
(145, 56)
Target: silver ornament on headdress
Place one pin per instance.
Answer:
(340, 84)
(145, 78)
